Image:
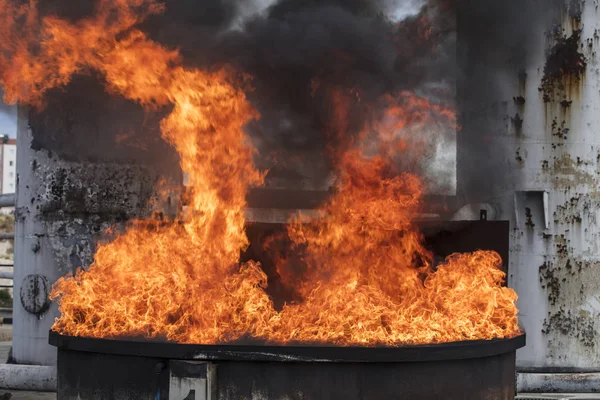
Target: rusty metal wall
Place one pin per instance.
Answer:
(86, 162)
(555, 250)
(547, 129)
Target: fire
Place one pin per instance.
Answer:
(367, 278)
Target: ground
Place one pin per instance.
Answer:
(5, 343)
(6, 258)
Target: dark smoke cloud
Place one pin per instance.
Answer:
(497, 41)
(304, 54)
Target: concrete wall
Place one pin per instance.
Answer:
(555, 249)
(86, 162)
(542, 145)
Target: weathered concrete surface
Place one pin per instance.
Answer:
(86, 162)
(559, 383)
(546, 126)
(28, 377)
(536, 145)
(555, 270)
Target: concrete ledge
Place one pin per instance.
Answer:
(28, 377)
(558, 383)
(557, 396)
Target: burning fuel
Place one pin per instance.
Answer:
(366, 278)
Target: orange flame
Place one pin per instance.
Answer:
(368, 278)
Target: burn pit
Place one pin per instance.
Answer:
(363, 257)
(154, 369)
(160, 371)
(367, 284)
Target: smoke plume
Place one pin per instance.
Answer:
(322, 71)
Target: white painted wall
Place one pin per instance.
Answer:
(555, 264)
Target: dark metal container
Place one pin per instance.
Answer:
(104, 369)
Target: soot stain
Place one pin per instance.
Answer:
(519, 100)
(115, 191)
(567, 323)
(566, 103)
(517, 121)
(564, 62)
(559, 130)
(529, 218)
(550, 282)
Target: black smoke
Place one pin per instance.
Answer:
(304, 56)
(303, 53)
(497, 41)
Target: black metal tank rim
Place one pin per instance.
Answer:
(234, 352)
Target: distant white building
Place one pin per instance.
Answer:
(8, 159)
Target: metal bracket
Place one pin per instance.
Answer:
(535, 204)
